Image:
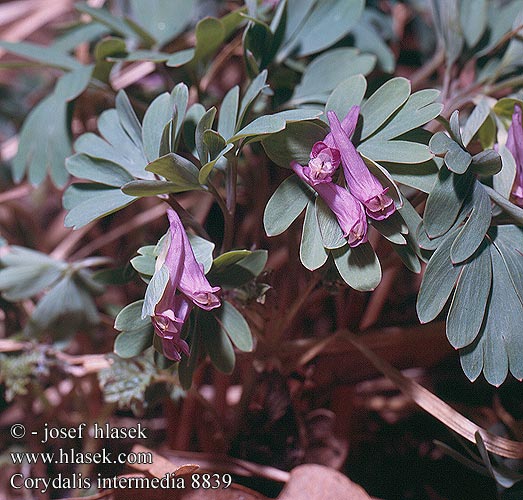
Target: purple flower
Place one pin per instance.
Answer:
(348, 210)
(322, 165)
(515, 146)
(360, 181)
(168, 321)
(186, 287)
(325, 156)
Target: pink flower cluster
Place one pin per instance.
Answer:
(363, 195)
(187, 287)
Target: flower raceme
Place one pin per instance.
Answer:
(361, 182)
(365, 193)
(515, 146)
(186, 287)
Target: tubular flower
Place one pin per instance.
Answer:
(348, 210)
(186, 287)
(360, 181)
(515, 146)
(325, 156)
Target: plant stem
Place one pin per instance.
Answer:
(231, 179)
(187, 218)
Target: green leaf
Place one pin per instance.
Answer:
(72, 84)
(509, 208)
(230, 258)
(21, 256)
(392, 228)
(294, 143)
(383, 103)
(271, 124)
(258, 42)
(285, 205)
(206, 170)
(155, 290)
(235, 326)
(445, 201)
(66, 308)
(180, 97)
(103, 16)
(204, 124)
(123, 139)
(97, 170)
(79, 34)
(486, 163)
(50, 56)
(456, 158)
(28, 278)
(509, 241)
(395, 151)
(152, 188)
(158, 114)
(327, 23)
(202, 250)
(327, 71)
(473, 16)
(176, 169)
(252, 92)
(128, 119)
(469, 303)
(44, 144)
(215, 143)
(297, 12)
(368, 39)
(472, 233)
(438, 282)
(446, 20)
(228, 113)
(131, 343)
(504, 180)
(505, 107)
(88, 202)
(217, 343)
(192, 118)
(359, 266)
(142, 55)
(180, 58)
(312, 252)
(105, 48)
(330, 230)
(348, 93)
(499, 330)
(385, 179)
(144, 264)
(420, 176)
(240, 272)
(408, 256)
(418, 110)
(210, 34)
(164, 19)
(476, 119)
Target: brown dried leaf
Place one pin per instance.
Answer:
(316, 482)
(161, 466)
